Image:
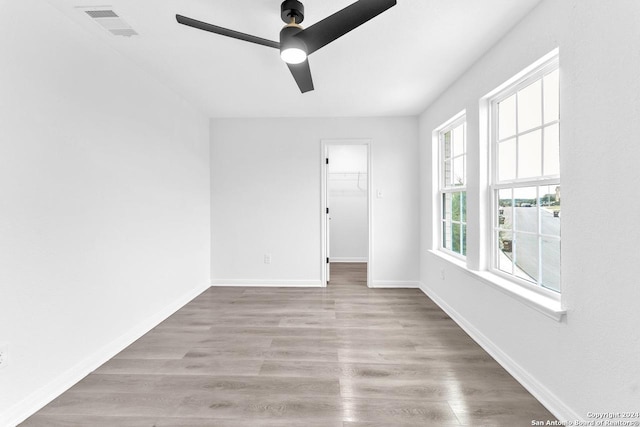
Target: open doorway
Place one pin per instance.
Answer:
(346, 235)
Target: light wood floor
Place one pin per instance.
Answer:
(341, 356)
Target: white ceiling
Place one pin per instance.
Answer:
(395, 64)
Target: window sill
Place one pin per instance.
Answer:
(544, 304)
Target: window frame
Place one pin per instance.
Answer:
(495, 184)
(450, 125)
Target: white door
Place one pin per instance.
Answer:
(328, 248)
(328, 225)
(346, 204)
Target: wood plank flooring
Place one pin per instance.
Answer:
(345, 355)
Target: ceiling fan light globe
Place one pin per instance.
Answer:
(293, 55)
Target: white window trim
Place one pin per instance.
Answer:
(536, 71)
(450, 124)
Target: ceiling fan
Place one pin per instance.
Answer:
(297, 43)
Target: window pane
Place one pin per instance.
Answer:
(552, 150)
(504, 252)
(459, 177)
(447, 145)
(551, 264)
(507, 117)
(505, 210)
(458, 140)
(448, 174)
(526, 257)
(455, 237)
(507, 160)
(550, 210)
(463, 206)
(526, 214)
(446, 207)
(551, 97)
(530, 155)
(530, 106)
(446, 220)
(446, 160)
(446, 234)
(455, 206)
(464, 240)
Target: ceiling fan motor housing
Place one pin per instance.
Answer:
(287, 41)
(292, 9)
(287, 33)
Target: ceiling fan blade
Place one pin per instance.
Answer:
(225, 31)
(302, 74)
(340, 23)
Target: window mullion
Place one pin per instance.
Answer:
(543, 123)
(539, 236)
(546, 181)
(528, 131)
(517, 137)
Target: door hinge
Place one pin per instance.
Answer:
(327, 210)
(327, 160)
(327, 260)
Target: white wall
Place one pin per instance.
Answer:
(266, 198)
(104, 204)
(589, 361)
(347, 200)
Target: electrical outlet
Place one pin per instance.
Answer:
(4, 355)
(442, 274)
(267, 258)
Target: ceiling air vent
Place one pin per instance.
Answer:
(102, 14)
(109, 20)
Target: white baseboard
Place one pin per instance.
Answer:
(267, 283)
(549, 400)
(395, 284)
(41, 397)
(348, 259)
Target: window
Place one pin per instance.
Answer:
(453, 181)
(526, 179)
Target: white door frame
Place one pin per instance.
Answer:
(325, 143)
